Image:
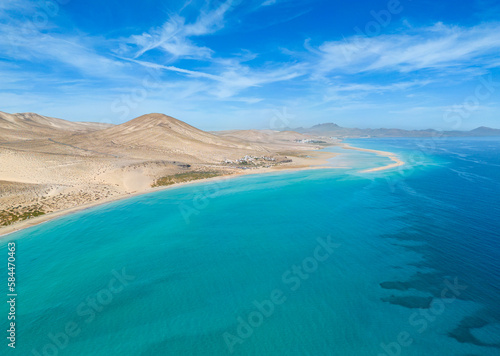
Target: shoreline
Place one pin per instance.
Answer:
(393, 157)
(316, 163)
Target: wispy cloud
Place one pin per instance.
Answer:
(233, 77)
(354, 92)
(25, 5)
(22, 39)
(435, 47)
(269, 2)
(206, 58)
(357, 87)
(174, 37)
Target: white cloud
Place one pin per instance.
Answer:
(174, 36)
(437, 47)
(342, 77)
(17, 4)
(379, 88)
(27, 41)
(233, 77)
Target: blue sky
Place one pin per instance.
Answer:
(255, 64)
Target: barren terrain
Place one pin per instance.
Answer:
(49, 165)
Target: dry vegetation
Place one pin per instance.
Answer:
(8, 217)
(184, 177)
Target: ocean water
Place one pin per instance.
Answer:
(317, 262)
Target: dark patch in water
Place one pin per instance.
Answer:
(412, 302)
(462, 333)
(432, 283)
(424, 282)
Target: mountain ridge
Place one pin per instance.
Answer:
(334, 130)
(29, 126)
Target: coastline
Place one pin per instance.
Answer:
(393, 157)
(319, 161)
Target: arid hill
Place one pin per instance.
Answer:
(28, 126)
(160, 136)
(48, 165)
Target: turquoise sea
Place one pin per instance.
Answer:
(316, 262)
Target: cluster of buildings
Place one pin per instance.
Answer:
(309, 141)
(249, 159)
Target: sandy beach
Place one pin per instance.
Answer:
(315, 160)
(63, 167)
(390, 155)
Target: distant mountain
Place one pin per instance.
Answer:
(485, 131)
(334, 130)
(28, 126)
